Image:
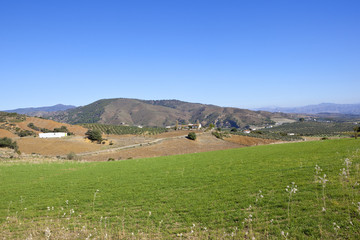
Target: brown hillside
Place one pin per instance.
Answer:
(50, 124)
(162, 113)
(6, 133)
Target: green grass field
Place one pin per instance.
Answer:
(213, 195)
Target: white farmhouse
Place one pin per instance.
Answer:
(52, 135)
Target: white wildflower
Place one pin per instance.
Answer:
(47, 233)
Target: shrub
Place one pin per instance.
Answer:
(71, 156)
(7, 142)
(218, 134)
(61, 129)
(24, 133)
(32, 126)
(192, 136)
(94, 135)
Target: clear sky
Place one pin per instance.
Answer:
(241, 53)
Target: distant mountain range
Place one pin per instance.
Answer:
(40, 111)
(122, 111)
(330, 108)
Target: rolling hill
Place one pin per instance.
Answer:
(161, 113)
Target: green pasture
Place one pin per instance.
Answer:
(213, 195)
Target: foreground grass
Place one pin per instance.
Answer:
(234, 193)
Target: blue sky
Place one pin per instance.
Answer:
(229, 53)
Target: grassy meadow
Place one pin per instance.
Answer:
(263, 192)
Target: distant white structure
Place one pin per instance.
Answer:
(189, 126)
(52, 135)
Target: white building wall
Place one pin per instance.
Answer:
(52, 135)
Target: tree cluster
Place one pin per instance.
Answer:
(8, 143)
(94, 135)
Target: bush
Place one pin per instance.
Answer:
(94, 135)
(7, 142)
(192, 136)
(61, 129)
(218, 134)
(71, 156)
(24, 133)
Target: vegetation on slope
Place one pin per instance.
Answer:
(161, 113)
(87, 114)
(8, 143)
(11, 117)
(122, 130)
(269, 135)
(312, 128)
(277, 191)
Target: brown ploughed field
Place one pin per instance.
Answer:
(6, 133)
(56, 146)
(174, 146)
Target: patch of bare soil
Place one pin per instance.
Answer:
(56, 146)
(173, 146)
(172, 134)
(125, 140)
(50, 124)
(249, 141)
(6, 133)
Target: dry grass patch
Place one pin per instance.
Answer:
(249, 141)
(6, 133)
(54, 147)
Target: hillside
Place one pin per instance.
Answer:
(13, 124)
(161, 113)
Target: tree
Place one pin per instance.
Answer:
(8, 143)
(192, 136)
(94, 135)
(61, 129)
(356, 131)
